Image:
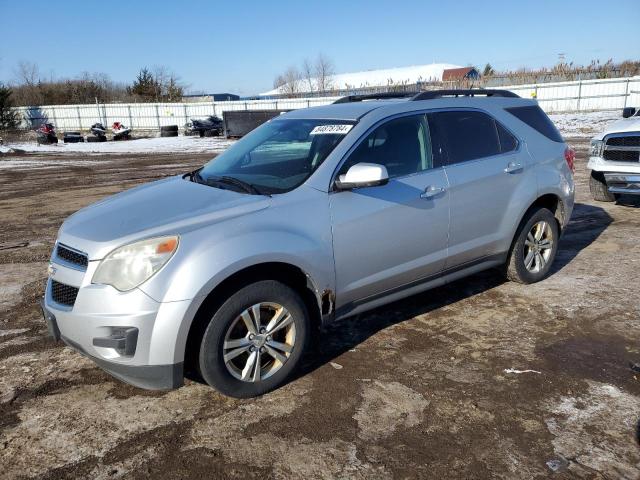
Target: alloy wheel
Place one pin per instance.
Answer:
(538, 246)
(259, 342)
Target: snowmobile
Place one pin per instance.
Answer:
(120, 132)
(99, 133)
(212, 126)
(46, 134)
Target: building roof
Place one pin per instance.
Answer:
(457, 73)
(379, 78)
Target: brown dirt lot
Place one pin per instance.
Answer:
(420, 388)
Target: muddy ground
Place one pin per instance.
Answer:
(420, 388)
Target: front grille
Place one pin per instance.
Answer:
(622, 148)
(63, 294)
(632, 141)
(621, 156)
(72, 256)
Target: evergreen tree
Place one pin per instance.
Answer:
(8, 116)
(488, 70)
(145, 86)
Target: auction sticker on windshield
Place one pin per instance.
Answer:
(331, 129)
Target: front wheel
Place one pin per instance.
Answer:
(599, 189)
(534, 248)
(255, 340)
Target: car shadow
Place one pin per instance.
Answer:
(586, 225)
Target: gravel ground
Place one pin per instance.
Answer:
(478, 379)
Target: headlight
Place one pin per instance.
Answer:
(597, 146)
(129, 266)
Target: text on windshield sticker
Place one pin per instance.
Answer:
(331, 129)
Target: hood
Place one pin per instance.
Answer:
(631, 124)
(165, 207)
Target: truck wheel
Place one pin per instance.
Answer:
(169, 133)
(169, 128)
(255, 340)
(534, 248)
(598, 187)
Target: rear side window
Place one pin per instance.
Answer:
(538, 120)
(467, 135)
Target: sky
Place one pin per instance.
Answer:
(240, 46)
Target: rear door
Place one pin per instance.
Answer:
(387, 237)
(485, 167)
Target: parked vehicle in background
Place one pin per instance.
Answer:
(120, 132)
(99, 133)
(209, 127)
(46, 134)
(614, 160)
(316, 215)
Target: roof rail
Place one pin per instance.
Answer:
(376, 96)
(433, 94)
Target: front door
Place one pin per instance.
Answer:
(391, 236)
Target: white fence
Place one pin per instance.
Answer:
(553, 97)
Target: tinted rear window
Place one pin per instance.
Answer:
(508, 143)
(537, 119)
(467, 135)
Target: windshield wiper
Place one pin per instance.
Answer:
(211, 181)
(247, 187)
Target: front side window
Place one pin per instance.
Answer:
(402, 145)
(276, 157)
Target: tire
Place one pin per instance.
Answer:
(225, 377)
(169, 133)
(94, 139)
(517, 269)
(598, 187)
(169, 128)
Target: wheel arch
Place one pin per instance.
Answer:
(319, 304)
(551, 202)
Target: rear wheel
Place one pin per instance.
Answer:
(534, 248)
(599, 189)
(255, 340)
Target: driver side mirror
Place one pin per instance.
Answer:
(363, 175)
(628, 112)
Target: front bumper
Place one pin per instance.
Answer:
(621, 177)
(151, 377)
(128, 334)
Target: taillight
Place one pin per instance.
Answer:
(570, 157)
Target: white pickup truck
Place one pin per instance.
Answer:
(614, 159)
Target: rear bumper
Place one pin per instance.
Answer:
(151, 377)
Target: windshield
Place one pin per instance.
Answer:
(277, 156)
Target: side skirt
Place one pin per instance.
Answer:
(446, 276)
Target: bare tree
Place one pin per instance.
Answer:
(308, 74)
(28, 73)
(291, 78)
(325, 71)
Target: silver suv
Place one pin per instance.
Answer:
(317, 215)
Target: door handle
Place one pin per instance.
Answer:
(431, 192)
(513, 167)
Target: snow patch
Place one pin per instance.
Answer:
(584, 124)
(179, 144)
